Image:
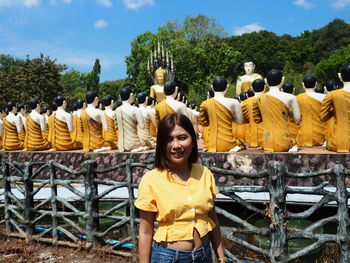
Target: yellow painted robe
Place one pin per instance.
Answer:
(337, 104)
(111, 134)
(274, 115)
(293, 127)
(78, 132)
(219, 119)
(46, 133)
(311, 130)
(162, 109)
(10, 138)
(34, 140)
(93, 137)
(329, 126)
(61, 138)
(22, 135)
(255, 130)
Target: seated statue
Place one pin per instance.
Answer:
(244, 83)
(12, 127)
(337, 104)
(36, 125)
(311, 130)
(45, 111)
(78, 132)
(293, 126)
(148, 118)
(157, 90)
(128, 118)
(329, 124)
(62, 128)
(22, 113)
(218, 113)
(112, 134)
(205, 129)
(152, 126)
(170, 105)
(94, 121)
(273, 108)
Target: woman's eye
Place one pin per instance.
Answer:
(183, 138)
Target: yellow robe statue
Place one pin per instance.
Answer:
(111, 134)
(10, 138)
(60, 136)
(152, 130)
(46, 133)
(22, 135)
(337, 104)
(293, 127)
(253, 130)
(274, 115)
(219, 120)
(329, 126)
(311, 130)
(162, 109)
(93, 136)
(78, 132)
(34, 140)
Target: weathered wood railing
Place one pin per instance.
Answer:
(77, 222)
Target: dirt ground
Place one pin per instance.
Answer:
(17, 250)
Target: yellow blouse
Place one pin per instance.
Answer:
(180, 206)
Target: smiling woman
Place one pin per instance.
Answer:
(179, 195)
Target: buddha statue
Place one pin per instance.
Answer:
(36, 125)
(78, 132)
(62, 128)
(244, 83)
(311, 130)
(148, 118)
(112, 134)
(128, 118)
(152, 126)
(94, 121)
(12, 127)
(157, 90)
(218, 113)
(293, 126)
(22, 113)
(273, 108)
(337, 104)
(170, 105)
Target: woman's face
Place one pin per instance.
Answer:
(179, 146)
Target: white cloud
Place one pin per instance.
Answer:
(240, 30)
(136, 4)
(303, 3)
(26, 3)
(100, 24)
(105, 3)
(339, 4)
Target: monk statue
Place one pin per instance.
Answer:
(272, 109)
(94, 121)
(78, 132)
(205, 129)
(330, 86)
(45, 111)
(62, 128)
(128, 118)
(112, 134)
(22, 113)
(12, 127)
(293, 126)
(50, 122)
(148, 118)
(170, 105)
(218, 113)
(36, 125)
(244, 83)
(337, 104)
(157, 90)
(150, 107)
(311, 130)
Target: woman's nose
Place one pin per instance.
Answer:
(176, 143)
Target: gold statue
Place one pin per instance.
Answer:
(244, 83)
(157, 90)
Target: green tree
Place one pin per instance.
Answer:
(94, 81)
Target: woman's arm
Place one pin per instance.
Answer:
(215, 236)
(146, 235)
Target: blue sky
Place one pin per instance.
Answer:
(76, 32)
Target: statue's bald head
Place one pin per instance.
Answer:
(309, 81)
(258, 85)
(274, 77)
(345, 72)
(169, 88)
(219, 84)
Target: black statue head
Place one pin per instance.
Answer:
(309, 81)
(274, 77)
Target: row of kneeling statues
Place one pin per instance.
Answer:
(276, 120)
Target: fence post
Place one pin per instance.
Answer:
(277, 212)
(342, 214)
(28, 200)
(91, 204)
(53, 203)
(7, 199)
(131, 203)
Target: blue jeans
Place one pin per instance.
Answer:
(161, 254)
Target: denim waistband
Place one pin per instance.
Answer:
(181, 254)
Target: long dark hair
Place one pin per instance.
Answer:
(166, 126)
